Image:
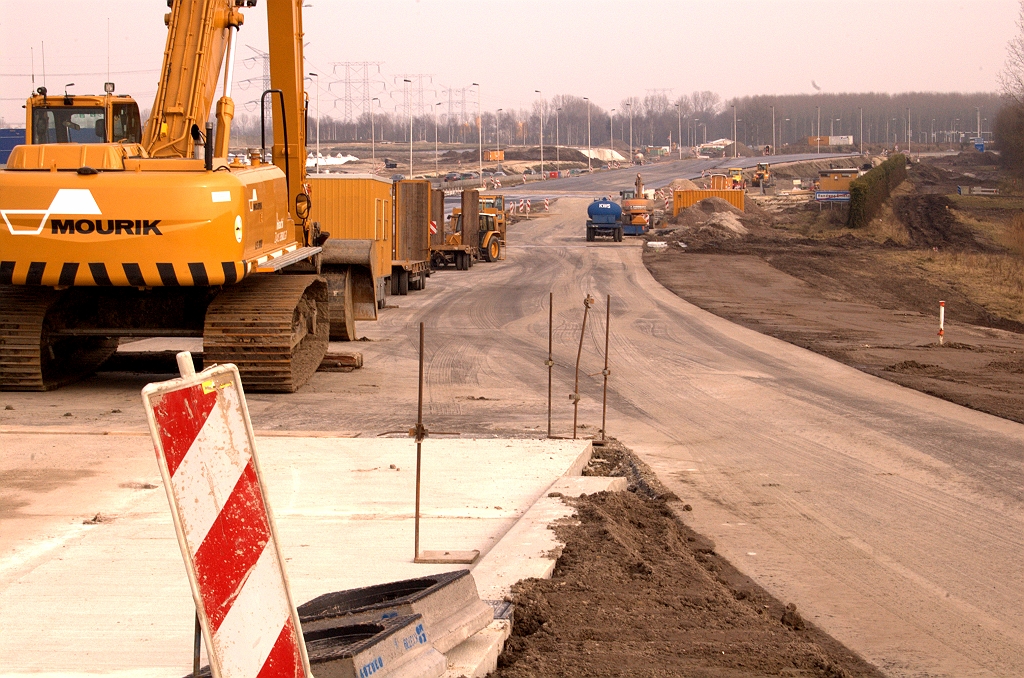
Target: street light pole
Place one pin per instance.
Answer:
(679, 123)
(589, 153)
(497, 128)
(630, 107)
(735, 141)
(818, 135)
(611, 135)
(437, 173)
(479, 132)
(317, 76)
(862, 131)
(373, 137)
(409, 111)
(541, 134)
(557, 157)
(774, 150)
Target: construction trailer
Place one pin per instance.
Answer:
(457, 245)
(410, 256)
(357, 211)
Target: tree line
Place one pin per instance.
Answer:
(658, 120)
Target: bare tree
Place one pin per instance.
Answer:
(1011, 78)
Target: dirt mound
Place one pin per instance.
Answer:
(683, 185)
(714, 205)
(974, 159)
(635, 591)
(931, 222)
(564, 154)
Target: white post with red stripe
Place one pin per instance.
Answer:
(546, 205)
(942, 321)
(207, 457)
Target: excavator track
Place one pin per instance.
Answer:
(274, 328)
(33, 356)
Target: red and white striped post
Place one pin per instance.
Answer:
(433, 227)
(547, 206)
(207, 457)
(942, 321)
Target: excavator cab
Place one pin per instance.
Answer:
(82, 119)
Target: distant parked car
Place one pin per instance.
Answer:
(499, 173)
(390, 164)
(397, 177)
(452, 176)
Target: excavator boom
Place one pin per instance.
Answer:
(198, 35)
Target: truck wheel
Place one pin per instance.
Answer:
(403, 282)
(418, 282)
(590, 234)
(459, 261)
(470, 260)
(618, 234)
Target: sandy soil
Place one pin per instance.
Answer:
(871, 299)
(635, 592)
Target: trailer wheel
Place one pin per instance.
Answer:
(618, 234)
(590, 234)
(470, 260)
(418, 282)
(403, 282)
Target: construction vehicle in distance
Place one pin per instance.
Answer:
(495, 204)
(637, 209)
(82, 119)
(763, 175)
(604, 218)
(460, 244)
(118, 239)
(736, 177)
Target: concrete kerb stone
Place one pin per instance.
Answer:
(448, 603)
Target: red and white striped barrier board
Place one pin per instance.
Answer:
(647, 218)
(207, 457)
(528, 204)
(433, 227)
(522, 205)
(546, 204)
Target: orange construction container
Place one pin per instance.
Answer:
(683, 199)
(355, 207)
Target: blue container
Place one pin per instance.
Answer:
(604, 211)
(9, 138)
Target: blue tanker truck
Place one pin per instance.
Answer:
(604, 219)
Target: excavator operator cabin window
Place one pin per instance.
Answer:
(127, 126)
(68, 125)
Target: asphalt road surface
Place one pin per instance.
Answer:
(890, 518)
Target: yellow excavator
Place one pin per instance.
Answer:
(163, 236)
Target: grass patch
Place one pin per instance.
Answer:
(994, 281)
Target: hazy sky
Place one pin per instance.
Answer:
(606, 50)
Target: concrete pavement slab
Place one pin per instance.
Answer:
(111, 597)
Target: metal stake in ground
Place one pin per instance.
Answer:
(550, 361)
(606, 371)
(420, 432)
(575, 397)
